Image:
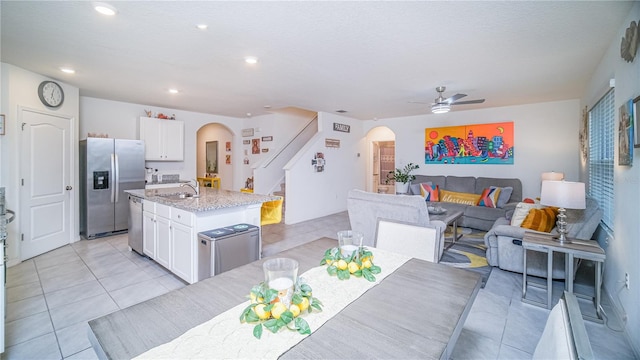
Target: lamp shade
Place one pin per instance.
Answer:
(552, 175)
(563, 194)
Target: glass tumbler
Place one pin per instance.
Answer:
(349, 241)
(281, 274)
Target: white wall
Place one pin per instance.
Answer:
(313, 194)
(221, 134)
(19, 89)
(623, 247)
(121, 120)
(546, 138)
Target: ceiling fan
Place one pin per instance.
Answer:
(441, 105)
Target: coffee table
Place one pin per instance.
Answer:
(449, 218)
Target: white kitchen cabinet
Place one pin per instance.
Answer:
(183, 252)
(163, 236)
(149, 234)
(163, 139)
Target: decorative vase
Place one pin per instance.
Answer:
(402, 188)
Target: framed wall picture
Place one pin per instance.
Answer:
(2, 125)
(625, 134)
(255, 146)
(267, 138)
(246, 142)
(636, 116)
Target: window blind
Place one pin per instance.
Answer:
(601, 155)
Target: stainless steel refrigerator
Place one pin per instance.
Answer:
(108, 167)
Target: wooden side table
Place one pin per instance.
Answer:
(210, 182)
(576, 249)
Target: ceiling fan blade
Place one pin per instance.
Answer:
(454, 98)
(479, 101)
(418, 102)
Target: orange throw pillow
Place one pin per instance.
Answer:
(541, 219)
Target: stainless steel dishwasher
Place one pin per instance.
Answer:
(227, 248)
(135, 224)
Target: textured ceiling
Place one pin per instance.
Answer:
(369, 58)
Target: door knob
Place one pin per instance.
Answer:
(69, 187)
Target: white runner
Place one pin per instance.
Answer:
(224, 337)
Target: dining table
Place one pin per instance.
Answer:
(417, 311)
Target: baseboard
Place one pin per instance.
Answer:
(615, 305)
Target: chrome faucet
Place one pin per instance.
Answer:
(196, 188)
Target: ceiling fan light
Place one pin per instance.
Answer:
(440, 108)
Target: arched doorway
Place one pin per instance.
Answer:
(215, 155)
(381, 160)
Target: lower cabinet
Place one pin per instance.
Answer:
(170, 241)
(163, 241)
(182, 251)
(149, 234)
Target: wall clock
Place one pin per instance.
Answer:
(51, 94)
(629, 44)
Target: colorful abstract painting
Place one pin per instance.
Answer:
(470, 144)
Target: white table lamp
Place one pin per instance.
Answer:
(565, 195)
(552, 175)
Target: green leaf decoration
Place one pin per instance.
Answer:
(270, 295)
(375, 269)
(305, 288)
(257, 331)
(332, 270)
(272, 325)
(246, 312)
(252, 317)
(368, 275)
(296, 299)
(303, 326)
(286, 317)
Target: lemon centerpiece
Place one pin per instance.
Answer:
(267, 310)
(358, 263)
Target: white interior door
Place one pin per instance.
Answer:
(46, 173)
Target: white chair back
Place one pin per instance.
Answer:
(418, 241)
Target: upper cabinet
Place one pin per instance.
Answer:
(163, 139)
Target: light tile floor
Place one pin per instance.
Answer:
(51, 297)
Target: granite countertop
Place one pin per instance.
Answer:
(167, 182)
(210, 198)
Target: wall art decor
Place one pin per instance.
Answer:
(247, 132)
(2, 125)
(636, 114)
(265, 150)
(341, 127)
(246, 142)
(629, 43)
(470, 144)
(227, 145)
(227, 159)
(583, 136)
(625, 134)
(267, 138)
(255, 146)
(318, 162)
(332, 143)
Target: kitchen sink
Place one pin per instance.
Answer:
(180, 196)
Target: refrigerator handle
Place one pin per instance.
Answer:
(113, 176)
(117, 178)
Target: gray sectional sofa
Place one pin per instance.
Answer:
(477, 217)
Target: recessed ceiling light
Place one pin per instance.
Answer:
(173, 91)
(105, 9)
(251, 60)
(67, 70)
(202, 26)
(248, 114)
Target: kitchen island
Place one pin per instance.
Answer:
(172, 220)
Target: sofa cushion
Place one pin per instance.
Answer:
(489, 197)
(459, 197)
(521, 212)
(433, 179)
(481, 212)
(429, 192)
(505, 195)
(541, 219)
(463, 184)
(485, 182)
